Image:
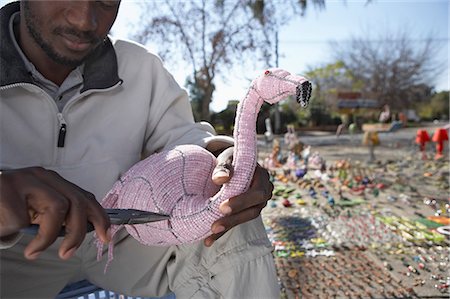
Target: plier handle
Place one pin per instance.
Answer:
(116, 217)
(132, 216)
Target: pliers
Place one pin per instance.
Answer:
(116, 217)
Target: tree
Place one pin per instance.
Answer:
(199, 88)
(330, 78)
(440, 105)
(212, 35)
(393, 68)
(436, 108)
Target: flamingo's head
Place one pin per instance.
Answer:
(277, 84)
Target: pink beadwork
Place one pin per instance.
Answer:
(178, 182)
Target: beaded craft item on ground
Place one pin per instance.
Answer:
(178, 182)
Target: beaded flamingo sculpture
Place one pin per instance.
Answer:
(178, 182)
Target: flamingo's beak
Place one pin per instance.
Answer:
(304, 93)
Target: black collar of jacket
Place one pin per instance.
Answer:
(100, 69)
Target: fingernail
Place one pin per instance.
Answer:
(225, 210)
(69, 253)
(34, 255)
(218, 229)
(221, 174)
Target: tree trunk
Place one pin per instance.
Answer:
(208, 92)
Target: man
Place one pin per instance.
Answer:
(385, 115)
(76, 111)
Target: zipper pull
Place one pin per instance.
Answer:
(62, 130)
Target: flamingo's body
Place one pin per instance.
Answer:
(178, 182)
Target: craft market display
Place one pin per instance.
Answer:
(344, 228)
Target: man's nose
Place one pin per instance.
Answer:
(82, 15)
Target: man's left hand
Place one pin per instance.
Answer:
(241, 208)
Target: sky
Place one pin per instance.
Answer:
(304, 43)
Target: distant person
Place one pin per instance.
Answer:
(402, 118)
(385, 115)
(269, 133)
(345, 122)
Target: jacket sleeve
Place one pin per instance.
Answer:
(170, 119)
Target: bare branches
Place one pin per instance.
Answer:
(395, 68)
(184, 37)
(214, 35)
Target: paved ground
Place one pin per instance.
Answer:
(360, 228)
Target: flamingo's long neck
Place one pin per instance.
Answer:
(245, 150)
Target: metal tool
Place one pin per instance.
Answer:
(116, 217)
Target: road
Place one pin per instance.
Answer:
(349, 146)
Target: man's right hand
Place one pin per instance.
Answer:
(39, 196)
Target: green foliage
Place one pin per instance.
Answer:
(333, 76)
(320, 115)
(287, 117)
(436, 108)
(329, 79)
(440, 105)
(224, 121)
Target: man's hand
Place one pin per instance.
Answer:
(241, 208)
(39, 196)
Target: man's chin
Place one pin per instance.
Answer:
(69, 58)
(73, 58)
(66, 61)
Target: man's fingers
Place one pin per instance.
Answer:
(89, 208)
(243, 207)
(221, 174)
(224, 170)
(75, 226)
(221, 226)
(245, 201)
(211, 239)
(237, 218)
(226, 157)
(50, 219)
(261, 176)
(98, 217)
(260, 192)
(76, 217)
(16, 216)
(83, 207)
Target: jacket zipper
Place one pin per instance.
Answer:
(62, 130)
(62, 125)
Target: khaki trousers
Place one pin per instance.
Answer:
(239, 265)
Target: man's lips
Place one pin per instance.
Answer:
(75, 43)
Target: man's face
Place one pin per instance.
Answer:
(68, 31)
